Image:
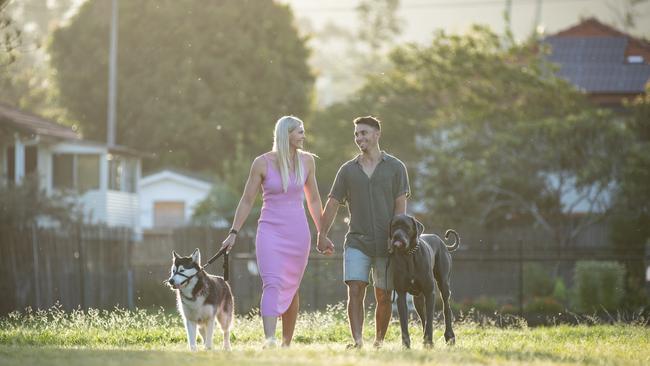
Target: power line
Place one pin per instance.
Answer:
(442, 4)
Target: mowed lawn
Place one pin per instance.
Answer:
(144, 338)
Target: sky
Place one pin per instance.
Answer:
(422, 17)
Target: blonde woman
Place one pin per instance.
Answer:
(287, 175)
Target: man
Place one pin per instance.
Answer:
(374, 185)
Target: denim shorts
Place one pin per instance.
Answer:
(357, 266)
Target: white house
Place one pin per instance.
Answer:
(168, 198)
(105, 179)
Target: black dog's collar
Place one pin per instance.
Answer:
(415, 248)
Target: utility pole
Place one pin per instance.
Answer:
(112, 79)
(538, 18)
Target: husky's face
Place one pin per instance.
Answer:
(183, 268)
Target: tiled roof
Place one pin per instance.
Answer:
(31, 123)
(597, 64)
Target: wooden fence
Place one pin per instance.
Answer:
(79, 266)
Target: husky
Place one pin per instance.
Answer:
(200, 298)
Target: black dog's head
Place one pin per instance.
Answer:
(405, 231)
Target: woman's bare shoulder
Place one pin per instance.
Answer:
(306, 155)
(259, 163)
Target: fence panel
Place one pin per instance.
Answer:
(78, 266)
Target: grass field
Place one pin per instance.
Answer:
(140, 337)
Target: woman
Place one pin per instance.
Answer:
(287, 174)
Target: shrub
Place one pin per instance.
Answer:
(509, 309)
(543, 305)
(598, 285)
(560, 291)
(537, 281)
(484, 305)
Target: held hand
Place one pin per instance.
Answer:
(324, 245)
(229, 243)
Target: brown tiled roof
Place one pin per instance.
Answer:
(591, 27)
(31, 123)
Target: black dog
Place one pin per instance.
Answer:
(416, 260)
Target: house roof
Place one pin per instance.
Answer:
(592, 56)
(591, 27)
(31, 123)
(176, 176)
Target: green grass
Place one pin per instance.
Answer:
(120, 337)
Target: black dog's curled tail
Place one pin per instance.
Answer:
(456, 243)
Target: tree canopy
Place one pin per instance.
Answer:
(199, 85)
(489, 134)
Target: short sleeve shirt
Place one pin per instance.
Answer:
(370, 201)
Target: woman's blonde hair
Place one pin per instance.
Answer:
(283, 128)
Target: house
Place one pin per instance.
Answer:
(168, 198)
(105, 179)
(608, 65)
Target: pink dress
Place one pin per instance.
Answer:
(283, 240)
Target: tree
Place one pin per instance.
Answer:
(489, 135)
(344, 57)
(26, 81)
(9, 36)
(631, 217)
(627, 13)
(197, 82)
(379, 24)
(634, 191)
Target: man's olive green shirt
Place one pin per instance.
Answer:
(370, 201)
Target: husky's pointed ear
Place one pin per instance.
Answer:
(419, 228)
(175, 255)
(196, 256)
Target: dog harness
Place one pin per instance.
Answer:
(202, 268)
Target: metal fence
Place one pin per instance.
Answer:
(487, 264)
(101, 267)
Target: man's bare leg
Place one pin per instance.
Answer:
(356, 296)
(383, 313)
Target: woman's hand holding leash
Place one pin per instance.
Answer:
(229, 242)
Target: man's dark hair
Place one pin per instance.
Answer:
(368, 120)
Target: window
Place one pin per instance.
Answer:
(87, 172)
(29, 164)
(11, 163)
(168, 213)
(80, 172)
(635, 59)
(129, 175)
(122, 174)
(63, 171)
(31, 159)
